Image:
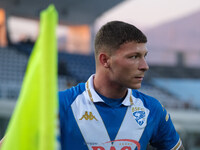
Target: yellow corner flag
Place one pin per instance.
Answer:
(33, 125)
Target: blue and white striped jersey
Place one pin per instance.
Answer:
(88, 123)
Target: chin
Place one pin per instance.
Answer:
(135, 86)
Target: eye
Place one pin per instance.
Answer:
(134, 56)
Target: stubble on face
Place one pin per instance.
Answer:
(128, 65)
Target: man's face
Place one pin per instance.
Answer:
(128, 65)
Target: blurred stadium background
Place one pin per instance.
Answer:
(174, 56)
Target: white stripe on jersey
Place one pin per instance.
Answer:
(92, 126)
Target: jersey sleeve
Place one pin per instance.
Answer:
(67, 97)
(165, 135)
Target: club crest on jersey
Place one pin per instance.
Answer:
(139, 115)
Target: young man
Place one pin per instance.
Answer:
(107, 112)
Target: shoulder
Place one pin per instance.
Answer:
(148, 101)
(164, 135)
(156, 111)
(67, 97)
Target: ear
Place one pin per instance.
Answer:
(104, 60)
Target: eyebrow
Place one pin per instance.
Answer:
(139, 53)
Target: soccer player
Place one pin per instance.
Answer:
(108, 112)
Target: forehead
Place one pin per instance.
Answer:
(132, 47)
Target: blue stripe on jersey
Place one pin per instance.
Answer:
(112, 117)
(110, 101)
(112, 114)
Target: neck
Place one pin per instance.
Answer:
(107, 88)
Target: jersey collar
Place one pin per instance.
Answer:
(94, 97)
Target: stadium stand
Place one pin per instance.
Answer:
(72, 68)
(12, 68)
(166, 99)
(190, 87)
(176, 71)
(78, 66)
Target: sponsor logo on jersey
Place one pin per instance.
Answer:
(139, 115)
(124, 144)
(88, 116)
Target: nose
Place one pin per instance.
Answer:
(143, 65)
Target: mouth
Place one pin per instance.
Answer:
(140, 78)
